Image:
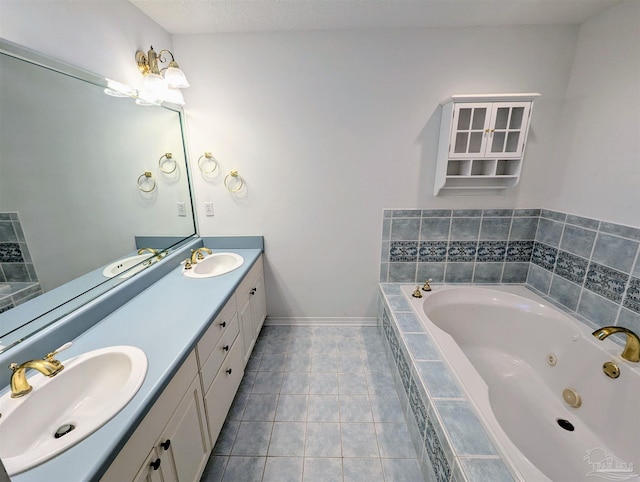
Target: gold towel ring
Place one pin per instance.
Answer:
(167, 163)
(144, 179)
(239, 180)
(210, 160)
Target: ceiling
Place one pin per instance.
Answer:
(211, 16)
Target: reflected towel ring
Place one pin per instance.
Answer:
(239, 181)
(167, 163)
(146, 179)
(207, 156)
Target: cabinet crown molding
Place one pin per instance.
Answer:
(528, 96)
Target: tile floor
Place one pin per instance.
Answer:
(315, 404)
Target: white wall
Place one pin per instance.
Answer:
(99, 36)
(598, 151)
(328, 128)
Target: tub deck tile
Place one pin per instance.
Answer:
(456, 448)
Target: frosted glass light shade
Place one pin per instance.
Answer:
(153, 90)
(175, 78)
(174, 96)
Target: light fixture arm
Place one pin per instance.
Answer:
(148, 64)
(172, 63)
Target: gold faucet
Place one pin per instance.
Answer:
(631, 350)
(48, 366)
(157, 254)
(196, 255)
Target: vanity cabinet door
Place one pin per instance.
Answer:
(152, 469)
(161, 422)
(258, 302)
(247, 329)
(251, 307)
(185, 439)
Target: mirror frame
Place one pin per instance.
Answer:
(32, 320)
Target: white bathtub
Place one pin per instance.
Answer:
(514, 354)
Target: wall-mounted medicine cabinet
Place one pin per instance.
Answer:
(482, 142)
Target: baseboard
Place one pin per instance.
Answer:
(272, 321)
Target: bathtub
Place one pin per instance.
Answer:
(514, 355)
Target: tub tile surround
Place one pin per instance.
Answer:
(451, 442)
(18, 279)
(587, 267)
(458, 246)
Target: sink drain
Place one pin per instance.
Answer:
(565, 424)
(64, 430)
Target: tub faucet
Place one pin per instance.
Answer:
(48, 366)
(197, 255)
(631, 350)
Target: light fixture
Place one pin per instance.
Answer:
(156, 87)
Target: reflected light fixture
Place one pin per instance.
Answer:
(160, 84)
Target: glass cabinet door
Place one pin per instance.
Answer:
(507, 129)
(470, 130)
(489, 130)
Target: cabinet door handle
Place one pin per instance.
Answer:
(223, 324)
(229, 371)
(155, 465)
(253, 291)
(225, 348)
(166, 444)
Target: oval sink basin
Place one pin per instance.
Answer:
(214, 264)
(92, 389)
(120, 267)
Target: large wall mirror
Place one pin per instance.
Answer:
(85, 181)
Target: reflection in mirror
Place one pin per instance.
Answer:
(72, 215)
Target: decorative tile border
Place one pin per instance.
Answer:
(15, 260)
(607, 282)
(446, 431)
(632, 300)
(590, 267)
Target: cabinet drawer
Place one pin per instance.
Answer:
(249, 280)
(209, 340)
(220, 351)
(223, 390)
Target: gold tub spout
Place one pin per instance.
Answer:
(631, 350)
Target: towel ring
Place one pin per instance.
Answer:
(167, 163)
(144, 179)
(207, 156)
(236, 176)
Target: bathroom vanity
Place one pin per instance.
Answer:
(197, 335)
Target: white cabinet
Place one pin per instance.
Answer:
(252, 309)
(219, 397)
(221, 366)
(171, 443)
(482, 142)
